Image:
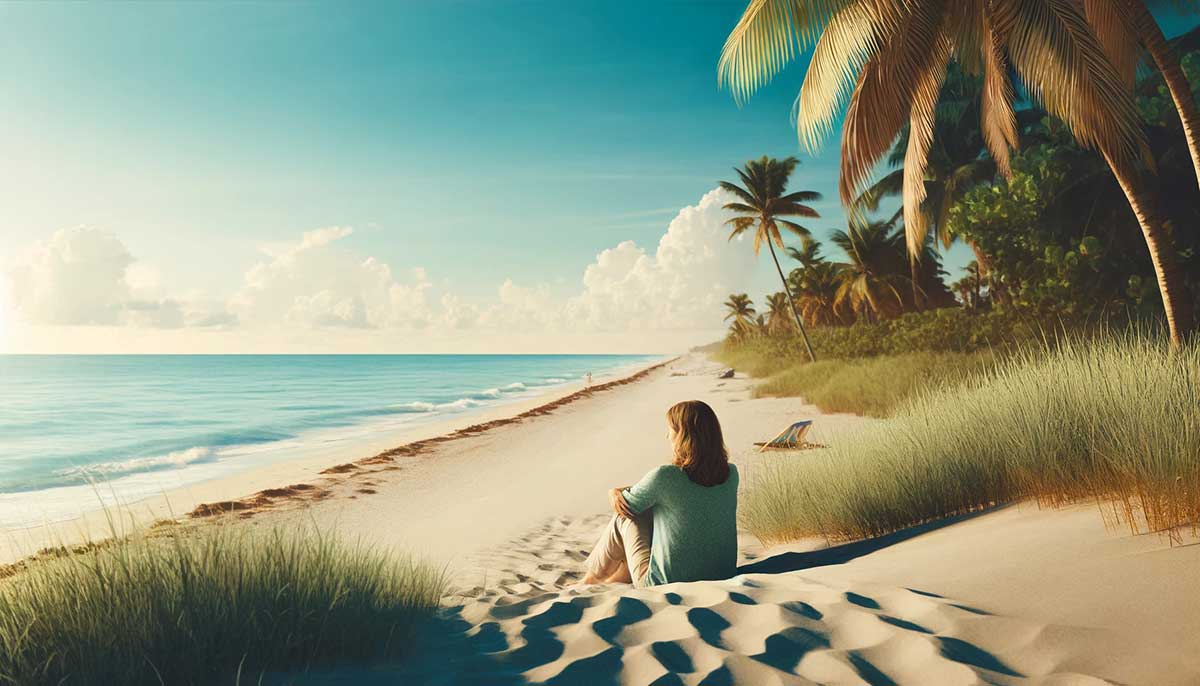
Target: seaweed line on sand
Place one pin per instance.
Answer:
(267, 499)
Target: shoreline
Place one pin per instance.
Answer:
(280, 482)
(273, 497)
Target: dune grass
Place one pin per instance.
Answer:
(221, 604)
(874, 386)
(1115, 420)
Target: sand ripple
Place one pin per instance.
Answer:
(515, 618)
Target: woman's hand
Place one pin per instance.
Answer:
(619, 505)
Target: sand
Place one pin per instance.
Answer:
(1016, 595)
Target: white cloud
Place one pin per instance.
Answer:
(77, 276)
(680, 287)
(319, 284)
(86, 276)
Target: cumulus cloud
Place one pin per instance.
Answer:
(678, 287)
(522, 308)
(86, 276)
(77, 276)
(316, 282)
(681, 286)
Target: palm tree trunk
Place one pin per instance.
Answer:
(803, 334)
(1167, 61)
(1176, 299)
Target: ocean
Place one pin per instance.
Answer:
(120, 428)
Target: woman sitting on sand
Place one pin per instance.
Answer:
(679, 523)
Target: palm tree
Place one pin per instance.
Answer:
(891, 56)
(970, 286)
(1121, 27)
(809, 253)
(778, 315)
(871, 281)
(816, 291)
(741, 311)
(763, 205)
(761, 327)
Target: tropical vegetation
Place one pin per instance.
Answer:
(885, 63)
(1055, 241)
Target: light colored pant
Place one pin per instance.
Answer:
(623, 540)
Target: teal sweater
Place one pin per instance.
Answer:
(695, 527)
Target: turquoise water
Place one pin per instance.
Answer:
(141, 423)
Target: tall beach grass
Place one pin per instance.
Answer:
(1114, 420)
(218, 604)
(874, 386)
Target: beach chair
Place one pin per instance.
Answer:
(791, 438)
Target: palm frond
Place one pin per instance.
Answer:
(920, 137)
(740, 207)
(768, 35)
(794, 210)
(801, 196)
(845, 45)
(997, 120)
(739, 224)
(889, 185)
(740, 192)
(1063, 65)
(1116, 35)
(881, 102)
(795, 228)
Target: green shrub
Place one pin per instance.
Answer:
(209, 606)
(950, 329)
(1115, 420)
(874, 386)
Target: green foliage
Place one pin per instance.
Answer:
(1071, 424)
(943, 330)
(1154, 100)
(206, 607)
(1043, 257)
(874, 386)
(1059, 237)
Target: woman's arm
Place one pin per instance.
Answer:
(633, 500)
(619, 505)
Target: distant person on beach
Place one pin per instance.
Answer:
(679, 523)
(588, 382)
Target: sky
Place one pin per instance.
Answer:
(391, 177)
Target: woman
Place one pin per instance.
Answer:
(679, 523)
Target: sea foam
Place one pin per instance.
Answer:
(108, 470)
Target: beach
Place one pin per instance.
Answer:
(511, 506)
(167, 434)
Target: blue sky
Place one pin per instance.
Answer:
(480, 141)
(465, 133)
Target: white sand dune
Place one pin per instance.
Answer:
(527, 622)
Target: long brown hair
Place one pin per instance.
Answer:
(699, 446)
